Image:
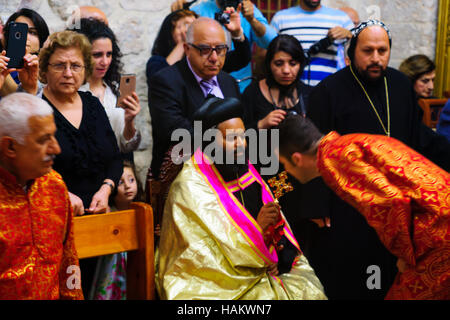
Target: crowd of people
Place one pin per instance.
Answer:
(368, 181)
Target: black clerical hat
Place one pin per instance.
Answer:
(216, 110)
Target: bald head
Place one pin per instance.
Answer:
(353, 14)
(201, 26)
(93, 13)
(206, 33)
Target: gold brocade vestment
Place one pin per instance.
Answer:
(404, 197)
(37, 251)
(207, 251)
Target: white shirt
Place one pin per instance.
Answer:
(116, 118)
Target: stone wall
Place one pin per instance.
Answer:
(136, 23)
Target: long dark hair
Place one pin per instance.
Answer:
(292, 46)
(95, 29)
(39, 23)
(164, 42)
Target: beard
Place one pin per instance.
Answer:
(312, 4)
(367, 76)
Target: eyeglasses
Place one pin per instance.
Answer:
(221, 49)
(61, 67)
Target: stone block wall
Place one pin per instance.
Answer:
(136, 24)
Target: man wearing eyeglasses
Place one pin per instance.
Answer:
(179, 90)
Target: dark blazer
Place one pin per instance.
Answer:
(174, 96)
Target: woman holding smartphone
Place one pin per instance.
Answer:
(27, 77)
(104, 84)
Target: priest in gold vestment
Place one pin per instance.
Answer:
(223, 235)
(401, 194)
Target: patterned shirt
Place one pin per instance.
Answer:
(310, 27)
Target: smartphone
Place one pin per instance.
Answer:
(16, 44)
(126, 87)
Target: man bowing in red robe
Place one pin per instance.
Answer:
(402, 195)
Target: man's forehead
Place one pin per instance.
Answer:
(209, 33)
(41, 123)
(373, 34)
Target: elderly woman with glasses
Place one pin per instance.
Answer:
(90, 162)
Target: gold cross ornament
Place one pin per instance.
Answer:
(280, 186)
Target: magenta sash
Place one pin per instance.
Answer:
(241, 219)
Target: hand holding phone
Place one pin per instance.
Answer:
(127, 87)
(16, 44)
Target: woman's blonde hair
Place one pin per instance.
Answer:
(65, 40)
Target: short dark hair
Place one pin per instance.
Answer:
(39, 23)
(95, 29)
(416, 66)
(288, 44)
(298, 134)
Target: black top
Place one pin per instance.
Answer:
(257, 107)
(89, 154)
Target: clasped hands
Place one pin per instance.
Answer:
(99, 202)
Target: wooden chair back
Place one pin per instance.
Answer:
(431, 111)
(157, 187)
(120, 231)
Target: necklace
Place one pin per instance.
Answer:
(388, 131)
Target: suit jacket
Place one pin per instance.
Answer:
(174, 96)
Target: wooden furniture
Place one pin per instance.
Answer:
(120, 231)
(431, 110)
(157, 188)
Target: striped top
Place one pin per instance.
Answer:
(310, 27)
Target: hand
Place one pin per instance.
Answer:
(29, 74)
(99, 203)
(322, 222)
(338, 33)
(131, 106)
(235, 21)
(4, 71)
(177, 5)
(77, 204)
(268, 215)
(272, 119)
(248, 10)
(273, 269)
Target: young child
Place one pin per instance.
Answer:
(110, 277)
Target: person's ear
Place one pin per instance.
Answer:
(8, 147)
(186, 48)
(297, 159)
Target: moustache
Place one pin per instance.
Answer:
(49, 157)
(375, 65)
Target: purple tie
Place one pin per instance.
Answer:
(207, 86)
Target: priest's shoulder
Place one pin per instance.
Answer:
(336, 80)
(397, 76)
(53, 180)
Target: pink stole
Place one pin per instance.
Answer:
(236, 212)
